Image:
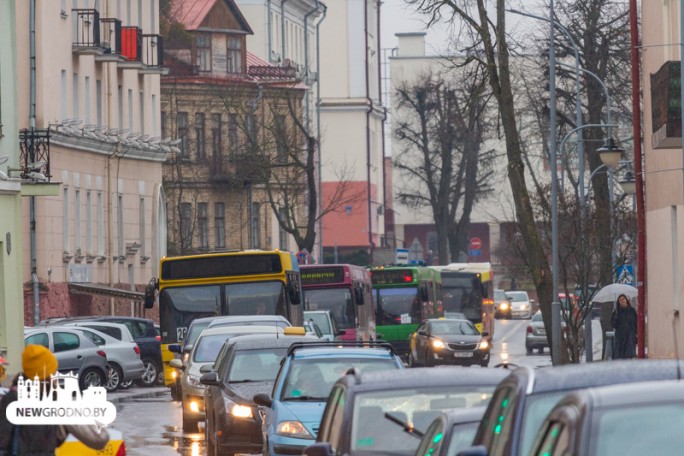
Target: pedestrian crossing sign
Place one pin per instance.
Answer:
(625, 274)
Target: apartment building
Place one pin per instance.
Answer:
(97, 120)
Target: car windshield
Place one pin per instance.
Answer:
(518, 296)
(537, 317)
(312, 379)
(337, 300)
(255, 365)
(640, 429)
(373, 432)
(194, 332)
(208, 347)
(397, 306)
(462, 437)
(499, 295)
(456, 328)
(537, 406)
(321, 319)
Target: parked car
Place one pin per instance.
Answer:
(616, 420)
(74, 352)
(450, 432)
(524, 398)
(293, 411)
(326, 322)
(144, 335)
(535, 336)
(521, 304)
(245, 366)
(355, 420)
(502, 305)
(123, 357)
(312, 329)
(439, 341)
(203, 355)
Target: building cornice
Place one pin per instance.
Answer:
(351, 105)
(107, 149)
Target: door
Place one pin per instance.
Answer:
(69, 351)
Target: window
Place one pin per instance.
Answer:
(164, 118)
(183, 133)
(251, 128)
(153, 24)
(100, 225)
(89, 223)
(220, 225)
(120, 224)
(130, 109)
(234, 55)
(254, 224)
(142, 227)
(140, 10)
(199, 135)
(281, 138)
(65, 219)
(77, 216)
(120, 96)
(203, 52)
(65, 341)
(216, 136)
(38, 339)
(186, 225)
(232, 134)
(74, 96)
(64, 95)
(154, 115)
(98, 102)
(97, 340)
(282, 234)
(142, 112)
(203, 225)
(87, 100)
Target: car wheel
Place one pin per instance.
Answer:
(176, 393)
(529, 350)
(428, 360)
(114, 377)
(484, 363)
(189, 424)
(91, 377)
(540, 350)
(150, 375)
(411, 361)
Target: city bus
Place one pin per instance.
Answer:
(467, 288)
(232, 283)
(344, 290)
(404, 296)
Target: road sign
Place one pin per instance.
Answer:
(474, 252)
(625, 274)
(475, 244)
(304, 257)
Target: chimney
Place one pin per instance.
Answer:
(411, 44)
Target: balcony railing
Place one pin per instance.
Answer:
(131, 44)
(86, 28)
(272, 72)
(34, 155)
(153, 53)
(110, 36)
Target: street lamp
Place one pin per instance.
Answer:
(628, 182)
(610, 153)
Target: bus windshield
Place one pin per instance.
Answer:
(337, 300)
(459, 295)
(179, 306)
(398, 306)
(256, 298)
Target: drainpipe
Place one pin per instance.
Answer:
(368, 132)
(382, 125)
(318, 128)
(306, 60)
(32, 126)
(250, 192)
(269, 33)
(282, 29)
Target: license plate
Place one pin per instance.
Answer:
(542, 332)
(463, 354)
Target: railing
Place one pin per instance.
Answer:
(272, 72)
(153, 50)
(34, 154)
(131, 43)
(110, 35)
(86, 28)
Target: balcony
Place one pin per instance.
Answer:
(110, 36)
(86, 31)
(153, 55)
(131, 48)
(34, 155)
(239, 169)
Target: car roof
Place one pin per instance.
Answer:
(256, 341)
(336, 351)
(635, 393)
(426, 376)
(240, 329)
(202, 320)
(576, 376)
(318, 312)
(448, 319)
(248, 318)
(465, 415)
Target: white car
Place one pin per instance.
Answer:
(521, 304)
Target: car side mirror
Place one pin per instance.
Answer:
(479, 450)
(209, 379)
(422, 332)
(531, 301)
(485, 333)
(263, 399)
(177, 363)
(187, 349)
(175, 348)
(206, 368)
(319, 449)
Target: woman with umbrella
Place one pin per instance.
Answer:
(624, 320)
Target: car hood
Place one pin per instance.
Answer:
(244, 392)
(309, 413)
(457, 339)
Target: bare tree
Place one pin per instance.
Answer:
(442, 132)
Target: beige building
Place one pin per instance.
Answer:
(663, 179)
(97, 93)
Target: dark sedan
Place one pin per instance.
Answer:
(245, 366)
(639, 418)
(448, 341)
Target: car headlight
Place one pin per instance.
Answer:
(186, 356)
(241, 411)
(436, 343)
(193, 381)
(294, 429)
(503, 306)
(523, 306)
(483, 345)
(174, 374)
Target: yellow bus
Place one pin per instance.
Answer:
(250, 282)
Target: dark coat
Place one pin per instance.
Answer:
(34, 440)
(625, 325)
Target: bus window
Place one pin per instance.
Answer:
(337, 300)
(180, 305)
(252, 298)
(398, 306)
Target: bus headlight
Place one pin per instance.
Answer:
(174, 374)
(484, 345)
(436, 343)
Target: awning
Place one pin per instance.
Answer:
(103, 290)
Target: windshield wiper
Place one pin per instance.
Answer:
(408, 427)
(306, 398)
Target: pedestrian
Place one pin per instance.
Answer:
(624, 321)
(40, 439)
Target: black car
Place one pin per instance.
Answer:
(144, 334)
(364, 411)
(451, 432)
(524, 398)
(638, 418)
(245, 366)
(439, 341)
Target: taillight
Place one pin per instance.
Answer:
(136, 349)
(529, 329)
(158, 338)
(101, 353)
(122, 449)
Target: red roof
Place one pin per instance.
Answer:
(191, 13)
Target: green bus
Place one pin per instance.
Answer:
(404, 296)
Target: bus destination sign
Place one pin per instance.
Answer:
(392, 276)
(320, 276)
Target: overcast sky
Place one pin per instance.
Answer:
(397, 17)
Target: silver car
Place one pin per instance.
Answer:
(521, 304)
(123, 356)
(535, 337)
(74, 353)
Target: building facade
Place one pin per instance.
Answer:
(97, 97)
